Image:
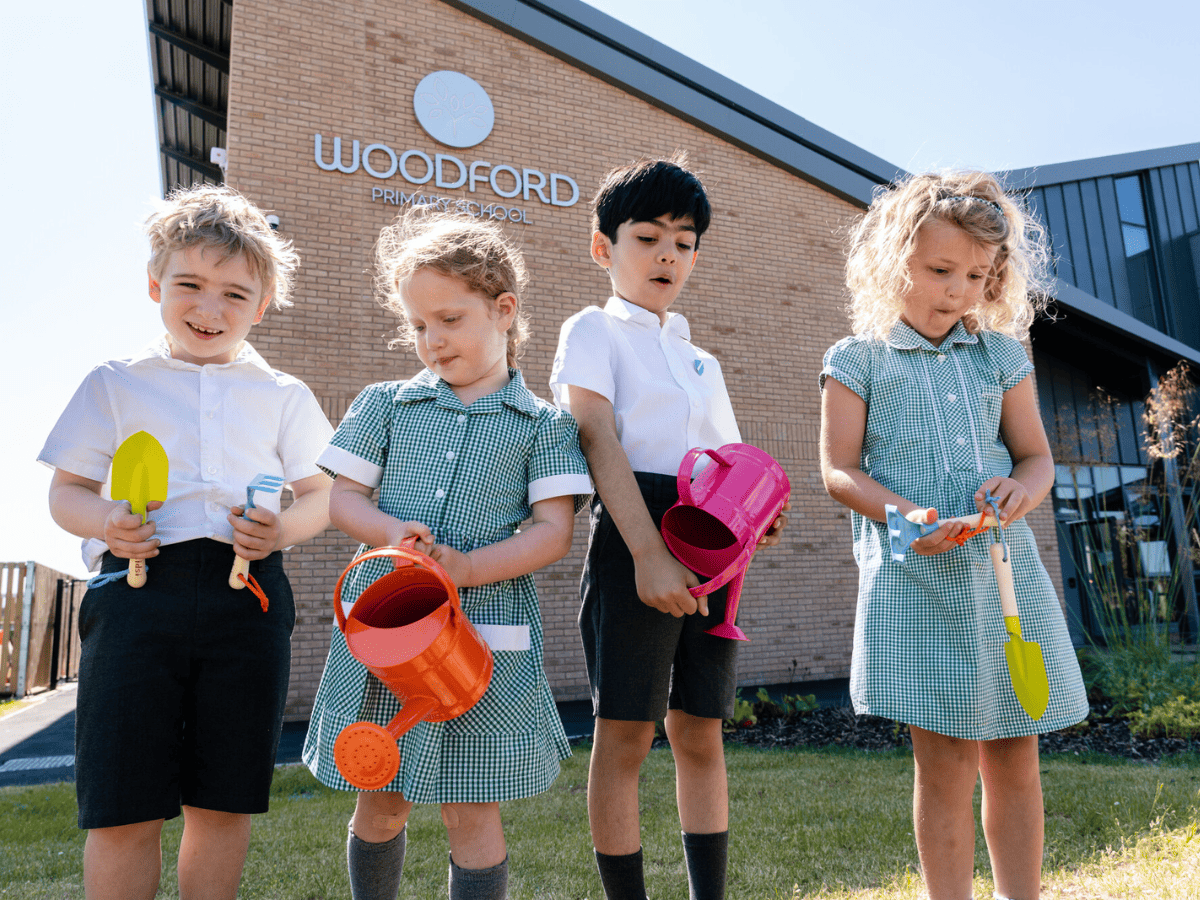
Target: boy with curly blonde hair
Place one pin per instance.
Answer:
(182, 681)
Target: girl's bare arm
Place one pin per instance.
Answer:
(843, 428)
(546, 540)
(1032, 474)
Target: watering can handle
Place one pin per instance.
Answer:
(683, 480)
(404, 555)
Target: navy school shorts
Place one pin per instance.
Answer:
(640, 661)
(182, 685)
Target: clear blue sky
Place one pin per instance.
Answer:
(920, 84)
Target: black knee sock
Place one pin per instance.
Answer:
(622, 876)
(707, 856)
(479, 884)
(375, 868)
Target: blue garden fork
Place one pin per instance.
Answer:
(239, 575)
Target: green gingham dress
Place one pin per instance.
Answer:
(929, 632)
(471, 475)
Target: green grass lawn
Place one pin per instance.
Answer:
(804, 824)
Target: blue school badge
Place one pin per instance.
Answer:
(698, 365)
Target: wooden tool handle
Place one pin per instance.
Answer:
(929, 516)
(240, 567)
(137, 573)
(1004, 580)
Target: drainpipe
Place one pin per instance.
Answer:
(26, 621)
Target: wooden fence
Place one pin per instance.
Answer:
(39, 641)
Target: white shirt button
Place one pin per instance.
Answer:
(941, 357)
(952, 397)
(212, 470)
(961, 441)
(461, 419)
(439, 493)
(450, 454)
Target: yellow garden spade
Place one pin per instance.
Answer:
(139, 475)
(1026, 668)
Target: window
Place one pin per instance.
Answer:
(1133, 215)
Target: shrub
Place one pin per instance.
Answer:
(743, 714)
(1177, 717)
(788, 705)
(1158, 696)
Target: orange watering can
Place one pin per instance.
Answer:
(409, 630)
(715, 527)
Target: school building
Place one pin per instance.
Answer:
(336, 118)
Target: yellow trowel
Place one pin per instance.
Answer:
(1026, 667)
(139, 475)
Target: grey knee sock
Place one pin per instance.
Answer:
(623, 877)
(375, 868)
(479, 884)
(706, 856)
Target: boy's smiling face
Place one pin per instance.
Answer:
(209, 304)
(650, 261)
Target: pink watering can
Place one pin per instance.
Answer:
(409, 630)
(715, 527)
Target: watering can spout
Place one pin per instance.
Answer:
(728, 628)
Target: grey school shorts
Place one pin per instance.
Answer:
(640, 661)
(182, 685)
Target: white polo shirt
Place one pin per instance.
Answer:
(668, 395)
(221, 425)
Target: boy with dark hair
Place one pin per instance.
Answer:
(644, 395)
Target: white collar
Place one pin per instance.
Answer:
(158, 354)
(904, 337)
(620, 308)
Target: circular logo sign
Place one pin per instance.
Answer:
(453, 109)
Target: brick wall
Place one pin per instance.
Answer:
(766, 296)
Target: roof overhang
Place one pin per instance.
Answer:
(1154, 342)
(188, 44)
(588, 39)
(1101, 166)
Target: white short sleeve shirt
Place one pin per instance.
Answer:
(668, 395)
(221, 425)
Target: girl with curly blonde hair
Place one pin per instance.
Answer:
(929, 408)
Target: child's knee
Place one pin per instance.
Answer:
(379, 816)
(126, 836)
(622, 743)
(470, 817)
(696, 739)
(214, 821)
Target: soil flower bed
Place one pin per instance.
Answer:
(840, 727)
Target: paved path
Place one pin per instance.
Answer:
(37, 742)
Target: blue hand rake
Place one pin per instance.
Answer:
(902, 532)
(239, 575)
